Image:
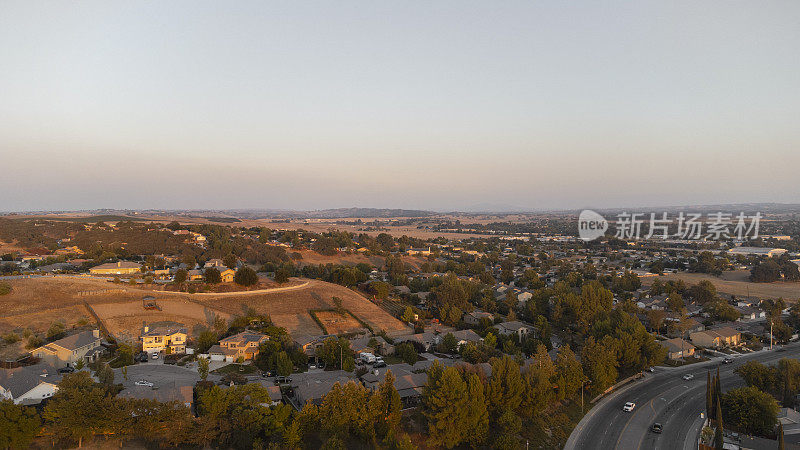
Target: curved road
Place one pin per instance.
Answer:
(662, 397)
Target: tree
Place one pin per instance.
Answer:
(407, 352)
(387, 403)
(282, 274)
(449, 344)
(477, 412)
(569, 373)
(105, 375)
(284, 364)
(181, 275)
(212, 276)
(408, 315)
(230, 261)
(505, 388)
(446, 409)
(750, 410)
(246, 276)
(18, 425)
(599, 365)
(202, 368)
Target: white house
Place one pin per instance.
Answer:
(29, 385)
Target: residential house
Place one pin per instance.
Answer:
(29, 385)
(117, 268)
(515, 327)
(465, 336)
(720, 337)
(677, 348)
(243, 345)
(214, 262)
(409, 385)
(84, 345)
(194, 275)
(366, 344)
(226, 274)
(158, 337)
(310, 344)
(474, 318)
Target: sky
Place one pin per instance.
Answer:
(445, 105)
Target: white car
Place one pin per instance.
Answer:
(143, 383)
(629, 407)
(154, 355)
(688, 377)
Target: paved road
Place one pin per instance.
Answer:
(662, 397)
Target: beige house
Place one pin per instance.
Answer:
(165, 335)
(720, 337)
(677, 348)
(117, 268)
(69, 350)
(242, 345)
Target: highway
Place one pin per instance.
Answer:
(662, 397)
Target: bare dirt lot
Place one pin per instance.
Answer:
(735, 283)
(336, 323)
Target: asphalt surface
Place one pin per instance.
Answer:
(662, 397)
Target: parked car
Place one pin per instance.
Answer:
(141, 357)
(143, 383)
(67, 369)
(688, 376)
(657, 428)
(379, 364)
(267, 374)
(629, 406)
(727, 360)
(154, 355)
(651, 369)
(283, 380)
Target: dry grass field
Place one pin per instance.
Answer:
(336, 323)
(35, 303)
(125, 320)
(289, 309)
(735, 283)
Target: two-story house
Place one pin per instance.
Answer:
(242, 345)
(158, 337)
(67, 351)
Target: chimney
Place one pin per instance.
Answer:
(96, 333)
(119, 263)
(145, 328)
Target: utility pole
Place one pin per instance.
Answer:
(770, 333)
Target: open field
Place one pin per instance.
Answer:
(35, 303)
(735, 283)
(290, 308)
(124, 320)
(336, 323)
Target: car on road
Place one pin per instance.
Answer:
(629, 407)
(727, 360)
(267, 374)
(651, 369)
(688, 376)
(154, 355)
(143, 383)
(657, 428)
(67, 369)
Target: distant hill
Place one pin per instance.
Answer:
(342, 213)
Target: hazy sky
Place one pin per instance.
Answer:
(428, 104)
